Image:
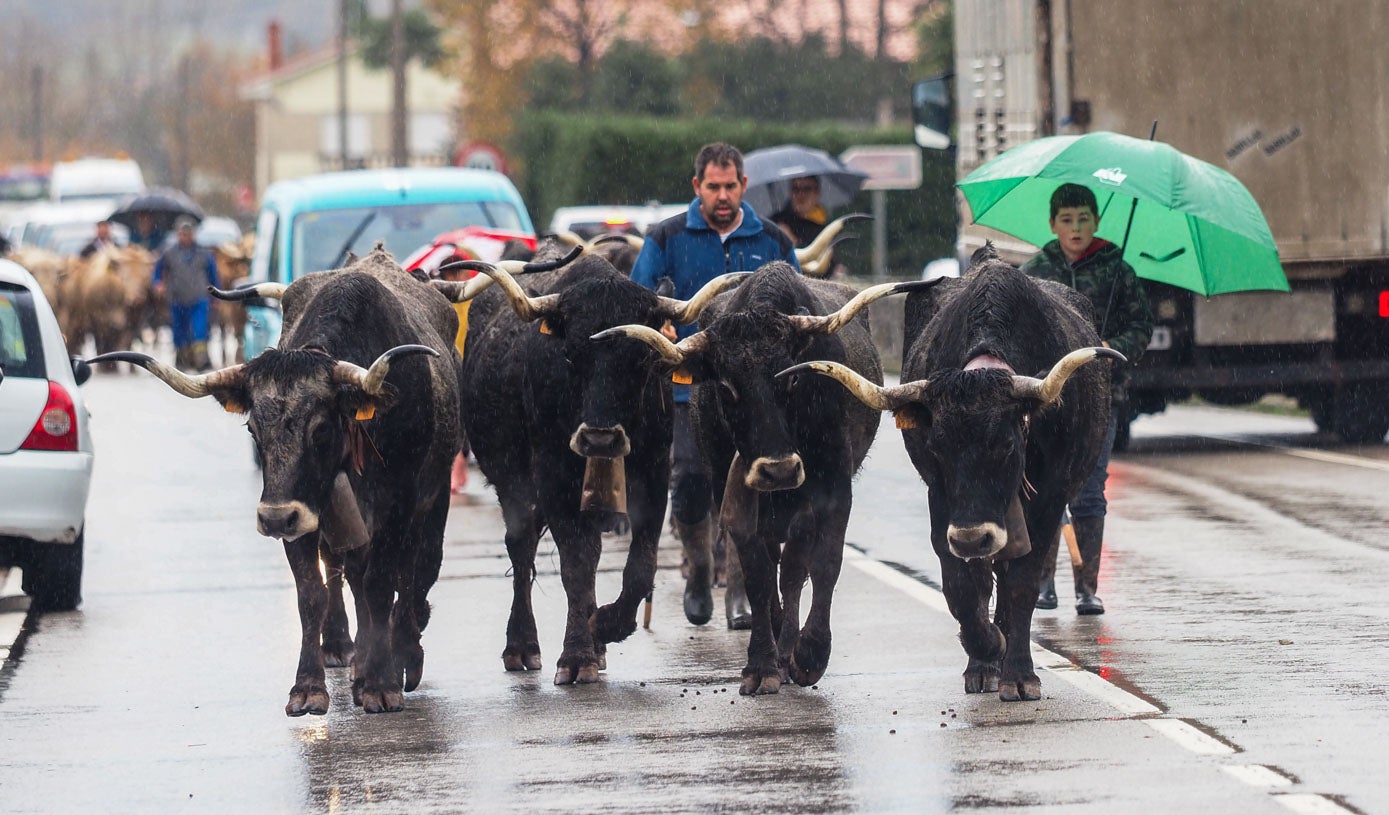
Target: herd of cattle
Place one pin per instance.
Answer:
(564, 396)
(108, 296)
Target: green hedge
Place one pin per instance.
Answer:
(574, 159)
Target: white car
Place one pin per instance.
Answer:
(45, 446)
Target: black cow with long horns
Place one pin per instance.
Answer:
(1001, 451)
(356, 418)
(783, 453)
(572, 439)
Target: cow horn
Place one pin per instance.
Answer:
(273, 291)
(825, 239)
(191, 386)
(373, 379)
(527, 308)
(461, 291)
(672, 352)
(830, 323)
(631, 240)
(824, 264)
(1047, 390)
(687, 311)
(870, 393)
(565, 235)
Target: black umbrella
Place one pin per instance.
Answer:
(771, 169)
(164, 203)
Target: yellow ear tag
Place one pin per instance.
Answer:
(904, 420)
(233, 407)
(545, 327)
(365, 412)
(680, 376)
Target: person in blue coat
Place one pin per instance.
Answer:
(717, 234)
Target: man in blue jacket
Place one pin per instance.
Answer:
(718, 234)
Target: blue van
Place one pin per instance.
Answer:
(310, 224)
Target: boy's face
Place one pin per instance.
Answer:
(1075, 228)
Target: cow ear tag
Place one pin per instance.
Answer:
(365, 412)
(904, 420)
(680, 376)
(545, 327)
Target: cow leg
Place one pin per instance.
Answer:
(580, 545)
(310, 691)
(826, 557)
(793, 572)
(1017, 583)
(377, 686)
(337, 634)
(523, 528)
(967, 589)
(411, 612)
(646, 507)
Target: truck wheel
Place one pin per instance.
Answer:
(1362, 414)
(1320, 409)
(54, 575)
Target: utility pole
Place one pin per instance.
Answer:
(400, 156)
(342, 84)
(1046, 72)
(184, 169)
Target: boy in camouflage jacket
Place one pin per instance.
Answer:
(1095, 268)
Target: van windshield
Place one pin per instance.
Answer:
(322, 239)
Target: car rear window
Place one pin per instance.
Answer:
(21, 352)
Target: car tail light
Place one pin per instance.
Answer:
(1384, 304)
(56, 428)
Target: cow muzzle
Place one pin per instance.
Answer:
(981, 540)
(288, 521)
(600, 442)
(773, 474)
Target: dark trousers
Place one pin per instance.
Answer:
(1091, 503)
(690, 498)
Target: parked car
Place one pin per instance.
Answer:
(45, 446)
(311, 224)
(611, 219)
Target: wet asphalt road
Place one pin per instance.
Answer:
(1243, 652)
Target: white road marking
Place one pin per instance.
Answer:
(10, 622)
(1257, 775)
(1309, 803)
(1189, 737)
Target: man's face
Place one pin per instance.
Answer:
(185, 237)
(1075, 228)
(720, 195)
(103, 231)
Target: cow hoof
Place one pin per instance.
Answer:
(981, 679)
(414, 668)
(377, 700)
(576, 671)
(522, 658)
(307, 699)
(699, 602)
(757, 684)
(611, 625)
(337, 654)
(1027, 689)
(809, 660)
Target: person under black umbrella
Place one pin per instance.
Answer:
(803, 217)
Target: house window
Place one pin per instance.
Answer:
(358, 136)
(430, 133)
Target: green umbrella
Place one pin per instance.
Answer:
(1180, 220)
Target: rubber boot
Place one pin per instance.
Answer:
(736, 607)
(1046, 587)
(198, 357)
(1090, 541)
(699, 557)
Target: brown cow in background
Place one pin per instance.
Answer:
(233, 263)
(105, 295)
